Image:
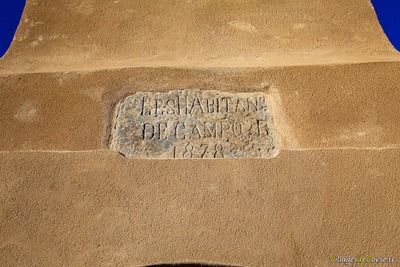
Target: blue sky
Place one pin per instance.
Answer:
(10, 15)
(388, 12)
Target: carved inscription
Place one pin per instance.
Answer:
(186, 124)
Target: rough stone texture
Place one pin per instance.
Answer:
(67, 35)
(194, 124)
(354, 105)
(66, 199)
(99, 208)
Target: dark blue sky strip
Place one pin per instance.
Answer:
(388, 12)
(10, 15)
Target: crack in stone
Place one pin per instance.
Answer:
(194, 124)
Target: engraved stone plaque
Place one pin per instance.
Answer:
(186, 124)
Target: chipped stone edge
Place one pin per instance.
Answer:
(274, 134)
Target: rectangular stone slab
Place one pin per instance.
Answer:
(194, 124)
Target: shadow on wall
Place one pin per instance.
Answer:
(388, 12)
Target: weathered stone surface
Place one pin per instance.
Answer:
(313, 106)
(194, 124)
(87, 34)
(74, 203)
(100, 209)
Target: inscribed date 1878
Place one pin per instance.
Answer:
(194, 124)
